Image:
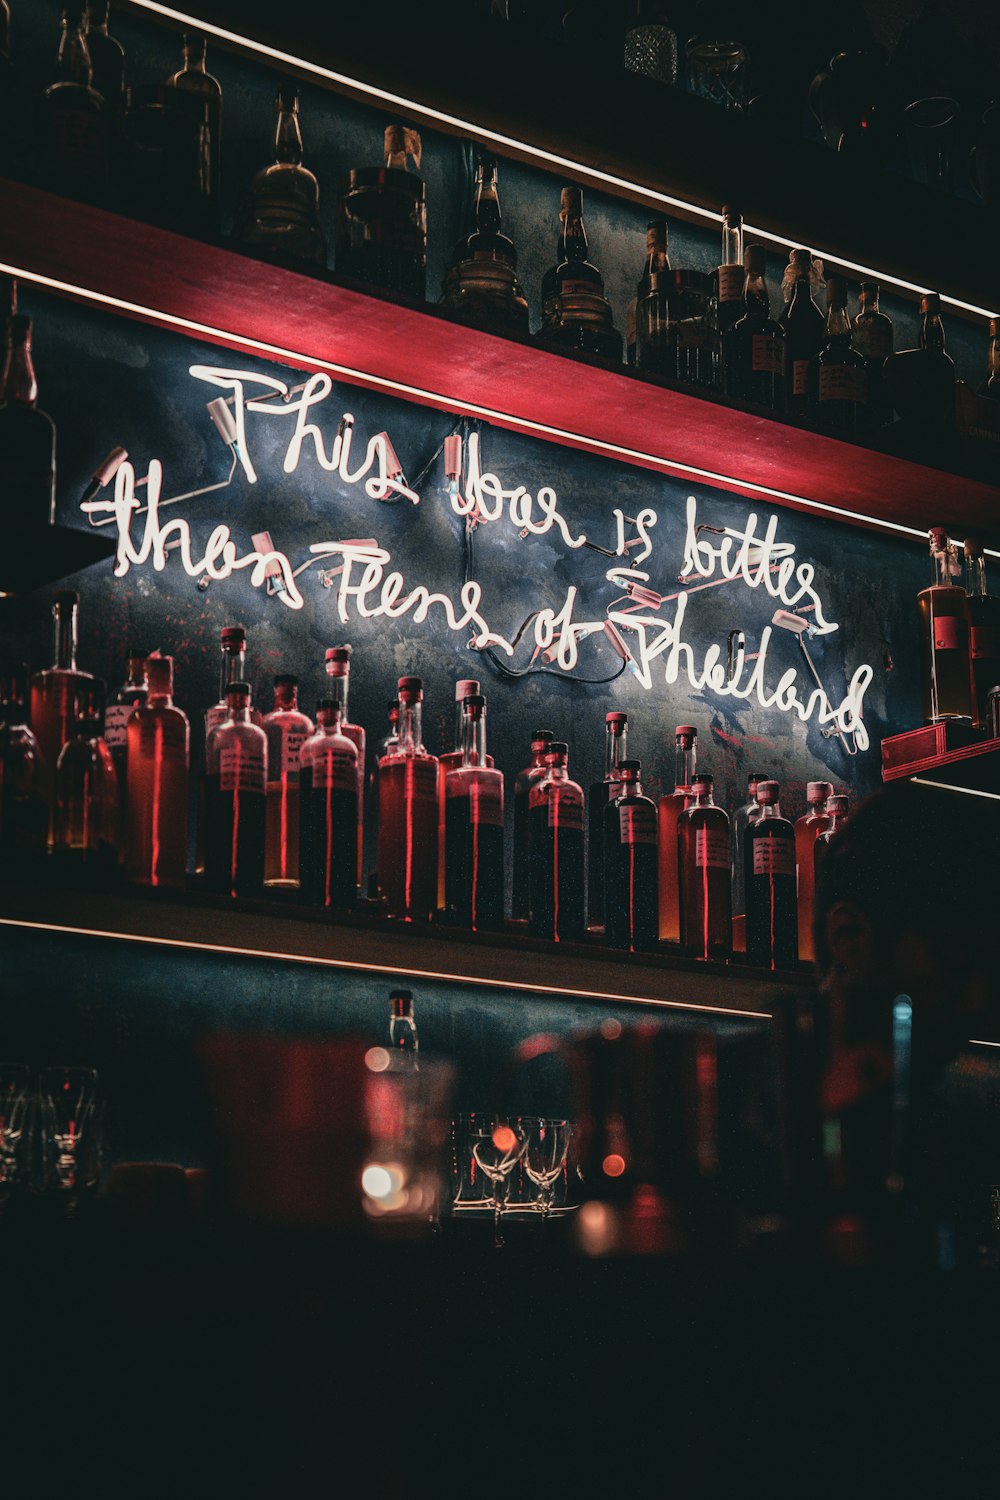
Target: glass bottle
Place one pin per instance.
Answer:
(669, 809)
(599, 795)
(281, 217)
(872, 336)
(328, 812)
(741, 818)
(803, 324)
(338, 685)
(837, 808)
(839, 382)
(651, 41)
(157, 762)
(731, 275)
(466, 687)
(807, 830)
(630, 902)
(235, 796)
(385, 747)
(991, 385)
(86, 796)
(56, 694)
(408, 815)
(704, 874)
(204, 92)
(769, 880)
(556, 845)
(24, 815)
(654, 345)
(74, 133)
(232, 669)
(474, 829)
(27, 435)
(753, 350)
(107, 57)
(984, 631)
(382, 219)
(575, 312)
(944, 637)
(481, 284)
(404, 1043)
(121, 708)
(287, 728)
(520, 904)
(920, 383)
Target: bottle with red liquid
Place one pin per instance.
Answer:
(769, 878)
(56, 693)
(556, 844)
(156, 800)
(520, 904)
(474, 829)
(338, 672)
(944, 636)
(467, 687)
(287, 728)
(235, 794)
(232, 669)
(24, 816)
(669, 809)
(600, 794)
(408, 814)
(984, 631)
(121, 708)
(630, 875)
(328, 810)
(86, 805)
(385, 747)
(741, 818)
(704, 870)
(807, 830)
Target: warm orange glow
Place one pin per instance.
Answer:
(504, 1138)
(613, 1166)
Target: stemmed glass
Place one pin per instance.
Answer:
(15, 1096)
(545, 1157)
(70, 1111)
(497, 1150)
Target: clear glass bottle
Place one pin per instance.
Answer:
(920, 383)
(281, 217)
(481, 284)
(57, 693)
(703, 839)
(731, 275)
(944, 637)
(741, 818)
(384, 747)
(984, 631)
(466, 687)
(197, 85)
(669, 809)
(107, 57)
(408, 815)
(338, 685)
(520, 905)
(24, 816)
(121, 708)
(654, 345)
(807, 830)
(158, 758)
(329, 812)
(382, 219)
(404, 1043)
(474, 875)
(287, 728)
(804, 325)
(74, 123)
(235, 798)
(630, 899)
(839, 382)
(872, 335)
(556, 844)
(86, 822)
(575, 312)
(599, 794)
(27, 434)
(991, 385)
(753, 350)
(770, 884)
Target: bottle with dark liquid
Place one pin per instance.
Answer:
(121, 708)
(630, 904)
(408, 815)
(232, 669)
(520, 905)
(839, 382)
(27, 435)
(576, 314)
(57, 693)
(669, 809)
(156, 803)
(287, 728)
(600, 794)
(201, 94)
(24, 816)
(731, 275)
(984, 631)
(872, 337)
(474, 829)
(944, 637)
(991, 385)
(281, 218)
(86, 799)
(705, 882)
(466, 687)
(807, 830)
(481, 284)
(328, 812)
(107, 59)
(556, 843)
(654, 346)
(920, 383)
(753, 350)
(741, 818)
(235, 794)
(769, 879)
(382, 223)
(803, 324)
(74, 122)
(384, 747)
(404, 1043)
(338, 686)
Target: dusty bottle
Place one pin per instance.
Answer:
(984, 631)
(156, 803)
(520, 906)
(669, 809)
(599, 795)
(474, 828)
(944, 637)
(338, 686)
(408, 815)
(807, 830)
(753, 350)
(630, 904)
(56, 693)
(556, 844)
(27, 434)
(86, 797)
(769, 879)
(235, 796)
(281, 217)
(24, 816)
(328, 809)
(704, 868)
(287, 728)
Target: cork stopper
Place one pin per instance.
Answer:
(571, 203)
(755, 260)
(411, 689)
(818, 792)
(160, 676)
(767, 793)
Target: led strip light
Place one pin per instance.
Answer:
(547, 159)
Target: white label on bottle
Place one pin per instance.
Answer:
(983, 640)
(164, 732)
(291, 745)
(732, 280)
(800, 377)
(950, 633)
(335, 769)
(711, 849)
(843, 383)
(116, 717)
(774, 857)
(637, 823)
(241, 770)
(767, 354)
(565, 812)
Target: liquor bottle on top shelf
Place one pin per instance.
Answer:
(107, 58)
(520, 903)
(872, 336)
(669, 809)
(27, 435)
(991, 385)
(704, 874)
(202, 94)
(984, 631)
(731, 275)
(86, 823)
(235, 794)
(404, 1043)
(652, 316)
(56, 692)
(481, 284)
(121, 708)
(329, 811)
(803, 324)
(743, 815)
(556, 845)
(23, 814)
(281, 215)
(753, 350)
(385, 746)
(466, 687)
(801, 263)
(287, 728)
(600, 794)
(156, 804)
(575, 312)
(408, 815)
(474, 829)
(839, 381)
(807, 830)
(74, 124)
(920, 383)
(338, 686)
(630, 904)
(382, 219)
(944, 636)
(837, 808)
(769, 881)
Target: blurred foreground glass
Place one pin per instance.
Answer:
(931, 131)
(718, 70)
(71, 1118)
(15, 1098)
(403, 1177)
(545, 1158)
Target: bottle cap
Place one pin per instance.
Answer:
(542, 735)
(65, 599)
(411, 689)
(755, 259)
(631, 767)
(160, 675)
(286, 679)
(818, 791)
(240, 690)
(870, 288)
(973, 547)
(801, 260)
(571, 202)
(657, 231)
(393, 707)
(938, 536)
(767, 793)
(702, 778)
(616, 718)
(930, 304)
(465, 688)
(233, 635)
(838, 803)
(137, 653)
(474, 704)
(338, 661)
(557, 750)
(686, 731)
(729, 212)
(754, 778)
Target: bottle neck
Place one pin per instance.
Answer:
(838, 324)
(403, 1032)
(685, 759)
(931, 334)
(288, 138)
(232, 670)
(757, 299)
(770, 809)
(73, 63)
(136, 675)
(239, 713)
(64, 637)
(732, 240)
(195, 59)
(286, 700)
(703, 798)
(631, 786)
(575, 239)
(411, 728)
(975, 577)
(19, 384)
(338, 689)
(615, 751)
(801, 294)
(488, 217)
(943, 564)
(330, 721)
(867, 303)
(557, 772)
(472, 742)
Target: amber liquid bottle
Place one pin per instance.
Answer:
(86, 796)
(156, 803)
(466, 687)
(408, 815)
(281, 217)
(600, 794)
(474, 829)
(556, 842)
(338, 684)
(287, 728)
(520, 904)
(984, 631)
(328, 809)
(235, 795)
(668, 811)
(944, 637)
(704, 869)
(630, 905)
(769, 878)
(57, 693)
(807, 830)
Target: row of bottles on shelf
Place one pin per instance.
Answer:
(282, 805)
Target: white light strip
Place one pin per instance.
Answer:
(946, 786)
(525, 148)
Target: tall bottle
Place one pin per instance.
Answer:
(984, 631)
(382, 219)
(24, 816)
(481, 284)
(731, 274)
(944, 637)
(57, 693)
(474, 875)
(839, 382)
(807, 830)
(197, 85)
(287, 728)
(920, 383)
(338, 687)
(669, 809)
(107, 58)
(556, 844)
(466, 687)
(575, 312)
(281, 216)
(872, 336)
(384, 747)
(769, 879)
(235, 795)
(803, 324)
(329, 811)
(156, 805)
(520, 904)
(704, 870)
(630, 903)
(231, 669)
(598, 798)
(27, 434)
(654, 344)
(86, 796)
(404, 1043)
(120, 709)
(991, 385)
(753, 350)
(741, 818)
(408, 814)
(74, 123)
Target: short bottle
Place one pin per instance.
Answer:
(872, 336)
(839, 382)
(121, 707)
(668, 810)
(328, 812)
(753, 350)
(24, 815)
(281, 217)
(201, 93)
(576, 314)
(338, 687)
(520, 905)
(474, 874)
(704, 873)
(27, 434)
(57, 693)
(984, 632)
(599, 795)
(804, 325)
(466, 687)
(991, 385)
(74, 123)
(944, 636)
(654, 347)
(556, 843)
(769, 881)
(481, 284)
(86, 821)
(920, 383)
(630, 874)
(807, 830)
(287, 728)
(382, 219)
(235, 797)
(156, 804)
(408, 815)
(404, 1042)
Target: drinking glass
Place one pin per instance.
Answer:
(545, 1157)
(15, 1095)
(717, 71)
(497, 1151)
(70, 1112)
(468, 1181)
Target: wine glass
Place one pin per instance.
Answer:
(496, 1151)
(545, 1157)
(70, 1109)
(15, 1094)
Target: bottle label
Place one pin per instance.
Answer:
(241, 770)
(843, 383)
(637, 823)
(711, 849)
(565, 812)
(291, 748)
(422, 781)
(983, 642)
(732, 280)
(767, 354)
(800, 377)
(116, 717)
(774, 857)
(336, 770)
(165, 734)
(950, 633)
